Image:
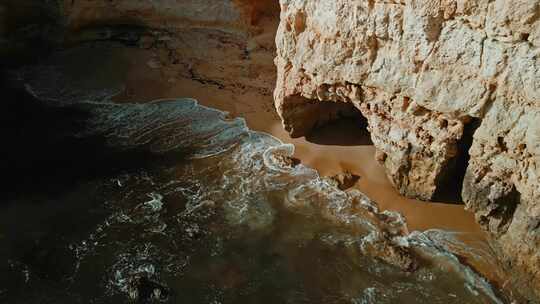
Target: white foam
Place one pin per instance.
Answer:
(248, 167)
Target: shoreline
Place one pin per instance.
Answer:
(328, 160)
(145, 83)
(243, 89)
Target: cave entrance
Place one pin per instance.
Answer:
(348, 128)
(342, 124)
(450, 186)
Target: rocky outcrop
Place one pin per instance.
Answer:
(420, 71)
(502, 183)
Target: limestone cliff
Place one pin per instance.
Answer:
(420, 71)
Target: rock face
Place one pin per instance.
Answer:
(420, 71)
(227, 15)
(55, 23)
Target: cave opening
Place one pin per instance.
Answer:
(450, 186)
(348, 128)
(331, 123)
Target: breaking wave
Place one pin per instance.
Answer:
(233, 218)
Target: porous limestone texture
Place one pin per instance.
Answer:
(420, 71)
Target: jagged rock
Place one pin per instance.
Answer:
(420, 71)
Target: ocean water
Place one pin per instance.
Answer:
(217, 213)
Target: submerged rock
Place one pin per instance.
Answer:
(344, 180)
(143, 290)
(421, 72)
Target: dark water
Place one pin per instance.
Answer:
(215, 213)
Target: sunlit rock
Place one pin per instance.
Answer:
(420, 71)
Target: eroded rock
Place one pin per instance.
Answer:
(420, 71)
